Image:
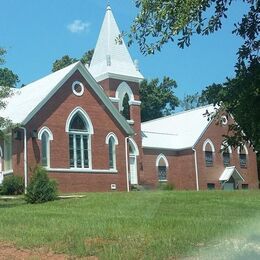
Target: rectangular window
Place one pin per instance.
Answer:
(211, 186)
(244, 186)
(8, 153)
(78, 151)
(208, 158)
(242, 160)
(226, 159)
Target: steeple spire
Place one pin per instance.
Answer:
(111, 58)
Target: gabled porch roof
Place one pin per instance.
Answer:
(231, 171)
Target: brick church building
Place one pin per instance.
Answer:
(71, 123)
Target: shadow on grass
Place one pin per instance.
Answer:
(7, 203)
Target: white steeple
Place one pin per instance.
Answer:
(111, 58)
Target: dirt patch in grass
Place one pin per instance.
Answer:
(9, 251)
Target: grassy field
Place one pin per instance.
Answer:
(136, 225)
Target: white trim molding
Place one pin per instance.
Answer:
(114, 99)
(245, 149)
(135, 102)
(84, 114)
(111, 134)
(208, 141)
(81, 170)
(224, 145)
(75, 92)
(121, 91)
(159, 157)
(134, 145)
(42, 130)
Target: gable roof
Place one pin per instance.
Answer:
(231, 171)
(178, 131)
(27, 101)
(110, 58)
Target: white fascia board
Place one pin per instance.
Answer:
(52, 92)
(118, 76)
(164, 148)
(202, 133)
(105, 99)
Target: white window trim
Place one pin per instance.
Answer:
(74, 90)
(85, 115)
(82, 170)
(43, 129)
(245, 149)
(123, 89)
(48, 148)
(132, 142)
(159, 157)
(89, 133)
(208, 141)
(109, 135)
(112, 135)
(223, 146)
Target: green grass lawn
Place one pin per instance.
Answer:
(136, 225)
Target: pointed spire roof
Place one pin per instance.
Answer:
(112, 59)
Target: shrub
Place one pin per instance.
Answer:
(165, 186)
(41, 188)
(12, 185)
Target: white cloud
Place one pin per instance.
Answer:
(78, 26)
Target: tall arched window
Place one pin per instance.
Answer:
(79, 142)
(112, 141)
(45, 149)
(242, 152)
(126, 107)
(162, 167)
(45, 135)
(226, 154)
(208, 149)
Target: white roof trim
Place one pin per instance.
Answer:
(228, 172)
(51, 93)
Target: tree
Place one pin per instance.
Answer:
(158, 99)
(87, 56)
(192, 101)
(162, 21)
(66, 60)
(8, 80)
(126, 107)
(241, 98)
(62, 63)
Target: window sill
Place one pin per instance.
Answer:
(8, 172)
(81, 170)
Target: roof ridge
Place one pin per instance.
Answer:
(177, 113)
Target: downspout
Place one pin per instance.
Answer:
(25, 159)
(126, 160)
(196, 169)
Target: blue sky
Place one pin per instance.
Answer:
(37, 32)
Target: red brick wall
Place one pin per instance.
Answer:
(212, 174)
(181, 170)
(54, 115)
